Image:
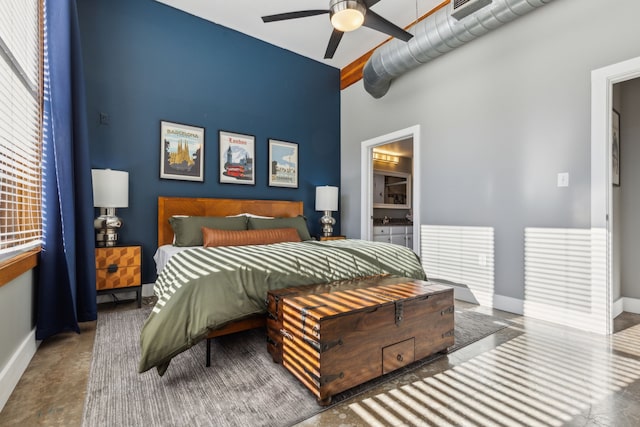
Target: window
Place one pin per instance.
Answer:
(20, 126)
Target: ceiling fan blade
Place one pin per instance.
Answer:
(293, 15)
(336, 36)
(374, 21)
(370, 3)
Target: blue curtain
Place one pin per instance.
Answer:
(66, 292)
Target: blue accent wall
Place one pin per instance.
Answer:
(146, 62)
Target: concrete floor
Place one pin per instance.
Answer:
(530, 373)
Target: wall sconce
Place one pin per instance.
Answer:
(384, 157)
(110, 191)
(327, 201)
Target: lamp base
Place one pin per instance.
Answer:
(107, 225)
(327, 222)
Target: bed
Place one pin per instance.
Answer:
(172, 206)
(205, 292)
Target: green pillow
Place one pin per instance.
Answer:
(188, 229)
(299, 223)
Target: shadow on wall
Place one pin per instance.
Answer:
(462, 256)
(564, 271)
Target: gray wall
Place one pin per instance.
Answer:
(16, 314)
(629, 190)
(500, 117)
(16, 318)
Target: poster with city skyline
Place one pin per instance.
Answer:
(182, 152)
(283, 164)
(237, 152)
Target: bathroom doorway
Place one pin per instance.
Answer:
(391, 188)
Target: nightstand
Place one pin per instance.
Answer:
(118, 269)
(324, 238)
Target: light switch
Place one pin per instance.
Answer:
(482, 260)
(563, 179)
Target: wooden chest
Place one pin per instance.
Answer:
(336, 340)
(275, 301)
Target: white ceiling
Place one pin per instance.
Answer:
(305, 36)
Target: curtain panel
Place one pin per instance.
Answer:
(66, 291)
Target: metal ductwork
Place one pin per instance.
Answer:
(436, 35)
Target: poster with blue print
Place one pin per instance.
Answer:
(283, 164)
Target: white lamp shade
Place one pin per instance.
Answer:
(110, 188)
(327, 198)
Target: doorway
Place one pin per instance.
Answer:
(602, 81)
(366, 155)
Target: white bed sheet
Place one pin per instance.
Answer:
(164, 252)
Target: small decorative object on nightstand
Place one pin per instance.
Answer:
(118, 269)
(325, 238)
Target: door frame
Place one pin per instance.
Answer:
(366, 186)
(602, 81)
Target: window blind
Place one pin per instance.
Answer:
(20, 126)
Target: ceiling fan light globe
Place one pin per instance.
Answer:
(347, 15)
(347, 20)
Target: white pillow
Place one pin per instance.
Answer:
(251, 216)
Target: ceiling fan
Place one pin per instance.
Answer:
(346, 15)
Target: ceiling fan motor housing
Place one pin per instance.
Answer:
(347, 15)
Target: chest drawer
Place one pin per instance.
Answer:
(118, 267)
(398, 355)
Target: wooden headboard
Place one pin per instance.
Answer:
(196, 206)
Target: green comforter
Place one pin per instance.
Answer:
(202, 289)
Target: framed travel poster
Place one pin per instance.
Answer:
(283, 164)
(615, 148)
(237, 153)
(181, 152)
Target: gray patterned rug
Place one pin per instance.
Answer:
(243, 387)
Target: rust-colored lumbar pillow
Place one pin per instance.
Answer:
(216, 237)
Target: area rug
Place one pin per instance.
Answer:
(243, 387)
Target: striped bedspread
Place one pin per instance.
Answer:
(202, 289)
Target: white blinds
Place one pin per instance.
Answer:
(20, 125)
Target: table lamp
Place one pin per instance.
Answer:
(110, 191)
(327, 201)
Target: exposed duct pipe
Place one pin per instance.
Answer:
(436, 35)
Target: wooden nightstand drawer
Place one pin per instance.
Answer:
(325, 238)
(120, 278)
(118, 268)
(122, 256)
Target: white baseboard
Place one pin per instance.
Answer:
(508, 304)
(516, 306)
(18, 363)
(460, 292)
(631, 305)
(464, 294)
(617, 307)
(147, 291)
(500, 302)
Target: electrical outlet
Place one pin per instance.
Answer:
(563, 179)
(104, 118)
(482, 260)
